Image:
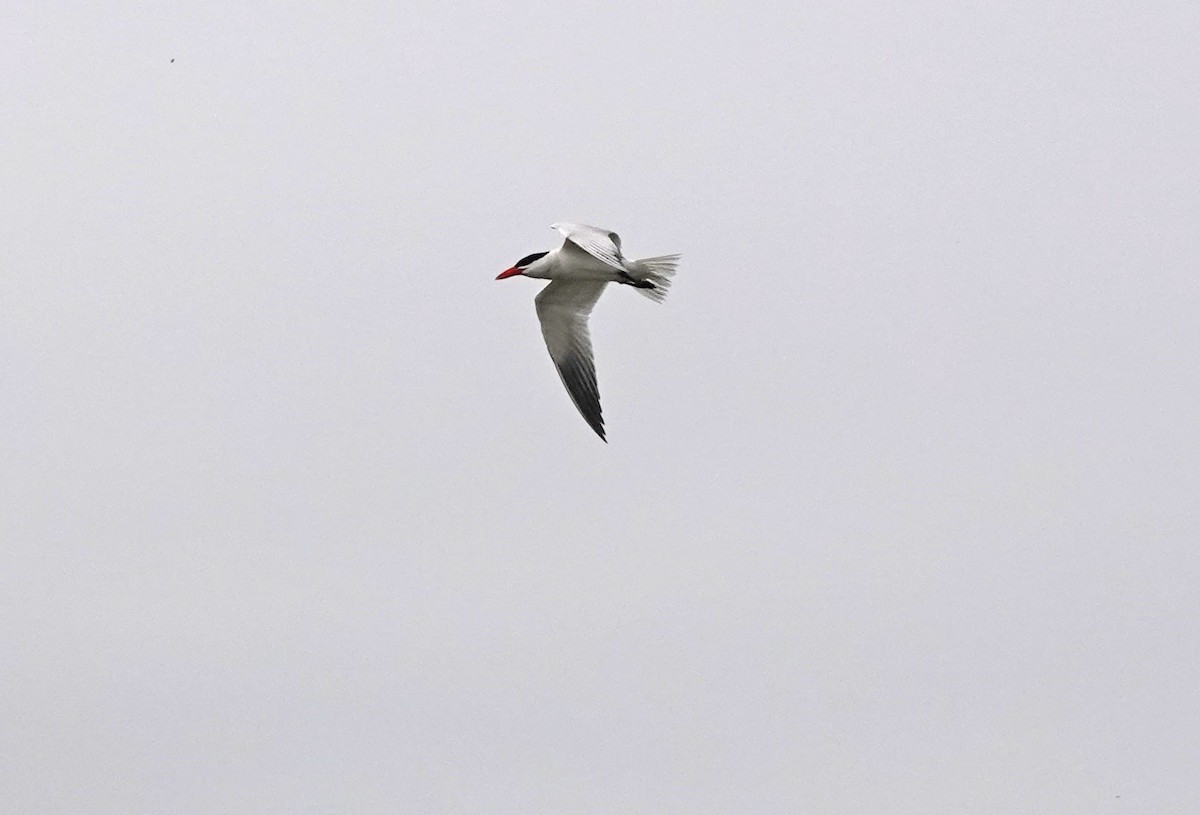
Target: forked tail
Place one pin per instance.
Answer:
(654, 275)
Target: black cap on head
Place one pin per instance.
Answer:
(525, 261)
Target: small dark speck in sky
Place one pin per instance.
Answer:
(172, 59)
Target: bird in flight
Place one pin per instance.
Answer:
(588, 260)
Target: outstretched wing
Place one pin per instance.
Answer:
(599, 243)
(563, 308)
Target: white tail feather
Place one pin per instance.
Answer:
(657, 270)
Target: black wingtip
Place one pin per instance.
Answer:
(579, 377)
(598, 427)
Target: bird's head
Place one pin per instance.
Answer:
(521, 265)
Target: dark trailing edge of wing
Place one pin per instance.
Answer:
(580, 380)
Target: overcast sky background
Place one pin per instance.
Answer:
(900, 509)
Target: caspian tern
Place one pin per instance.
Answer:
(588, 260)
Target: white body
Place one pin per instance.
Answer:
(588, 253)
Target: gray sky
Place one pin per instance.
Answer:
(899, 513)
